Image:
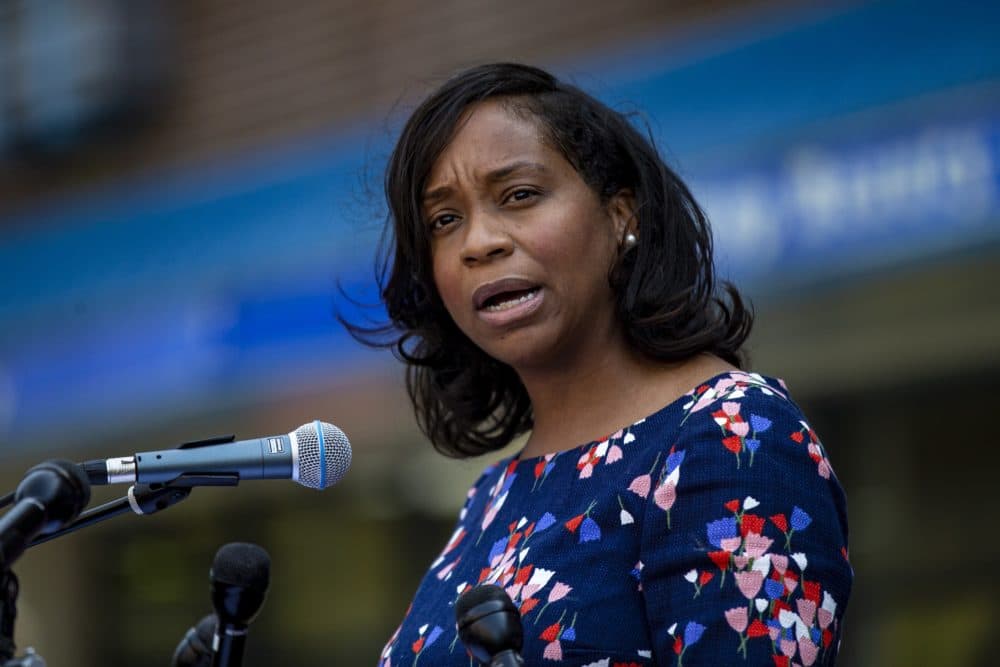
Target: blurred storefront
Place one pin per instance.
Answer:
(179, 278)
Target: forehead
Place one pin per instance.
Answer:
(489, 135)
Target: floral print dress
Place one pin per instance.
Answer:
(713, 532)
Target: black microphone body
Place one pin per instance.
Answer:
(489, 625)
(229, 645)
(507, 658)
(51, 495)
(239, 579)
(315, 455)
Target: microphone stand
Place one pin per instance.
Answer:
(51, 492)
(141, 499)
(9, 588)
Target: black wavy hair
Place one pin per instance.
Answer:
(465, 401)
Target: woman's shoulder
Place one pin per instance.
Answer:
(745, 418)
(736, 398)
(746, 429)
(734, 385)
(723, 394)
(736, 401)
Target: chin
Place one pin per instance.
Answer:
(522, 350)
(514, 356)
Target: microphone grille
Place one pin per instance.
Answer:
(324, 454)
(477, 595)
(242, 564)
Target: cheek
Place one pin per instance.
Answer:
(554, 239)
(448, 287)
(582, 247)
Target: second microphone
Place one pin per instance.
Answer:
(315, 455)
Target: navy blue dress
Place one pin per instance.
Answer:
(713, 532)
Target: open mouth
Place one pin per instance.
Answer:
(508, 300)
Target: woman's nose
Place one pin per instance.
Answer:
(486, 239)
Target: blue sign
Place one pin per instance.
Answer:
(187, 291)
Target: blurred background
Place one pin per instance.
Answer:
(183, 185)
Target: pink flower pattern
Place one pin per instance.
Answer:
(766, 577)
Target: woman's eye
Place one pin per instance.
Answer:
(521, 194)
(442, 221)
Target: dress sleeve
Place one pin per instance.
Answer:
(744, 538)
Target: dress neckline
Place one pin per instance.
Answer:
(689, 396)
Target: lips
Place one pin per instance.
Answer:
(502, 292)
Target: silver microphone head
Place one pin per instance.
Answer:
(321, 454)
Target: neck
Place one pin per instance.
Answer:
(605, 390)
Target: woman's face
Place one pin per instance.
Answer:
(521, 245)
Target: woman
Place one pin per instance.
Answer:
(550, 275)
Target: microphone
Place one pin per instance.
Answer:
(51, 495)
(239, 578)
(489, 626)
(195, 649)
(315, 455)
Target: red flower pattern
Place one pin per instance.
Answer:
(777, 603)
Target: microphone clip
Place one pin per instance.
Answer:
(190, 480)
(207, 442)
(143, 499)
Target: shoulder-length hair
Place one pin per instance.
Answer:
(468, 403)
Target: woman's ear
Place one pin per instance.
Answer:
(621, 208)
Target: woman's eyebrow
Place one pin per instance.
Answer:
(494, 176)
(437, 194)
(515, 168)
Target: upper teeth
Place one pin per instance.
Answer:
(510, 303)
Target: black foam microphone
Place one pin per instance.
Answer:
(239, 578)
(195, 649)
(51, 495)
(489, 626)
(315, 455)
